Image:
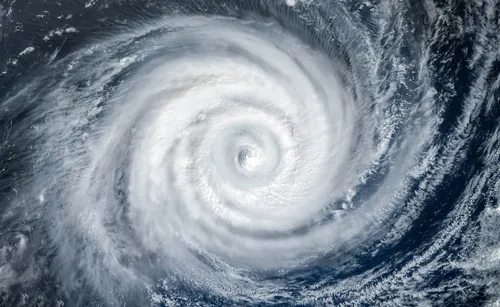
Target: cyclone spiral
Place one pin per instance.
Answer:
(255, 153)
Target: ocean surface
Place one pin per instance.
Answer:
(250, 153)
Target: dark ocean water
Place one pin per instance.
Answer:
(387, 196)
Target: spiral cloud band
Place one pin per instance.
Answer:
(232, 143)
(238, 157)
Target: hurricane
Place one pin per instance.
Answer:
(250, 153)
